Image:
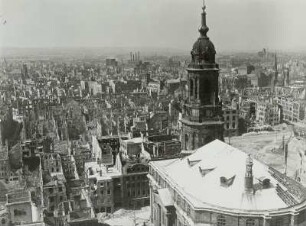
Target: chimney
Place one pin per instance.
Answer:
(248, 180)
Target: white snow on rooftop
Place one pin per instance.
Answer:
(226, 161)
(100, 172)
(165, 197)
(135, 140)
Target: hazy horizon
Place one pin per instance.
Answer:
(235, 25)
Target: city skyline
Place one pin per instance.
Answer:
(143, 112)
(244, 26)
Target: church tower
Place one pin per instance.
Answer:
(202, 111)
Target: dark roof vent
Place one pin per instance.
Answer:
(205, 171)
(192, 162)
(266, 183)
(227, 182)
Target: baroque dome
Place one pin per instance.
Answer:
(203, 51)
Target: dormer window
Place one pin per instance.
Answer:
(227, 182)
(205, 171)
(265, 182)
(192, 162)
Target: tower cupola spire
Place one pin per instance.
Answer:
(203, 90)
(203, 29)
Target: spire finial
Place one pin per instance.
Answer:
(203, 29)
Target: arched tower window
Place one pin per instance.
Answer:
(250, 222)
(193, 140)
(196, 87)
(186, 141)
(191, 87)
(221, 220)
(205, 94)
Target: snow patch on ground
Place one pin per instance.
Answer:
(123, 217)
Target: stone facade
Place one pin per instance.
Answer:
(267, 113)
(4, 162)
(231, 116)
(116, 187)
(196, 135)
(21, 209)
(291, 110)
(52, 162)
(54, 194)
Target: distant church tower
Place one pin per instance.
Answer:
(202, 112)
(275, 77)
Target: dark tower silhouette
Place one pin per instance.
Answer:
(202, 112)
(275, 80)
(286, 77)
(24, 73)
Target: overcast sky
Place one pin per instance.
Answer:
(234, 24)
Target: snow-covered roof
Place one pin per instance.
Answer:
(165, 197)
(100, 171)
(198, 178)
